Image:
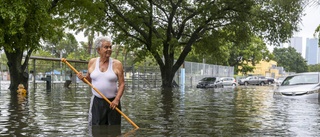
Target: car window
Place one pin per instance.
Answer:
(301, 79)
(204, 79)
(211, 79)
(225, 79)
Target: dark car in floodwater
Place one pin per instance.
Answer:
(270, 80)
(208, 82)
(300, 85)
(253, 80)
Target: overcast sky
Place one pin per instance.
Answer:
(309, 22)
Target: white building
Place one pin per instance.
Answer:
(296, 43)
(312, 51)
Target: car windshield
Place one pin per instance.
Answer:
(301, 79)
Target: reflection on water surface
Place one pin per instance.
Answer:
(243, 111)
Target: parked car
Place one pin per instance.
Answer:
(270, 80)
(208, 82)
(300, 85)
(226, 81)
(253, 80)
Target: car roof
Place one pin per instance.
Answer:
(305, 73)
(210, 77)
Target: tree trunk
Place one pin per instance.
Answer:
(17, 71)
(90, 47)
(167, 77)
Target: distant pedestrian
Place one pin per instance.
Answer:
(68, 81)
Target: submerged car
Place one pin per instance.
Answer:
(226, 81)
(208, 82)
(301, 85)
(253, 80)
(270, 80)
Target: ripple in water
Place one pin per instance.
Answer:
(241, 111)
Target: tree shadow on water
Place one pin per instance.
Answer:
(167, 107)
(105, 130)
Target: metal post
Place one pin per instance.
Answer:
(133, 77)
(48, 82)
(34, 74)
(138, 78)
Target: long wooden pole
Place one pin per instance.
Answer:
(86, 81)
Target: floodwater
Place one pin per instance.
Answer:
(240, 111)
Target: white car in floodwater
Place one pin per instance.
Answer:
(300, 85)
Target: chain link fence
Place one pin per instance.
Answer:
(43, 71)
(196, 71)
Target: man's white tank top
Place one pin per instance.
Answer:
(105, 82)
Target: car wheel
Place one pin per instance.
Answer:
(246, 83)
(234, 85)
(215, 86)
(262, 83)
(269, 82)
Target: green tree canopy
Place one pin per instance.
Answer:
(62, 45)
(238, 54)
(23, 24)
(317, 30)
(163, 29)
(314, 68)
(290, 59)
(317, 34)
(247, 55)
(163, 26)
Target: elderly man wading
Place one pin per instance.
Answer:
(105, 74)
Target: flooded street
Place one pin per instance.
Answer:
(241, 111)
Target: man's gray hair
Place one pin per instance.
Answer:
(99, 40)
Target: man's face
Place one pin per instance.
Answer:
(106, 49)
